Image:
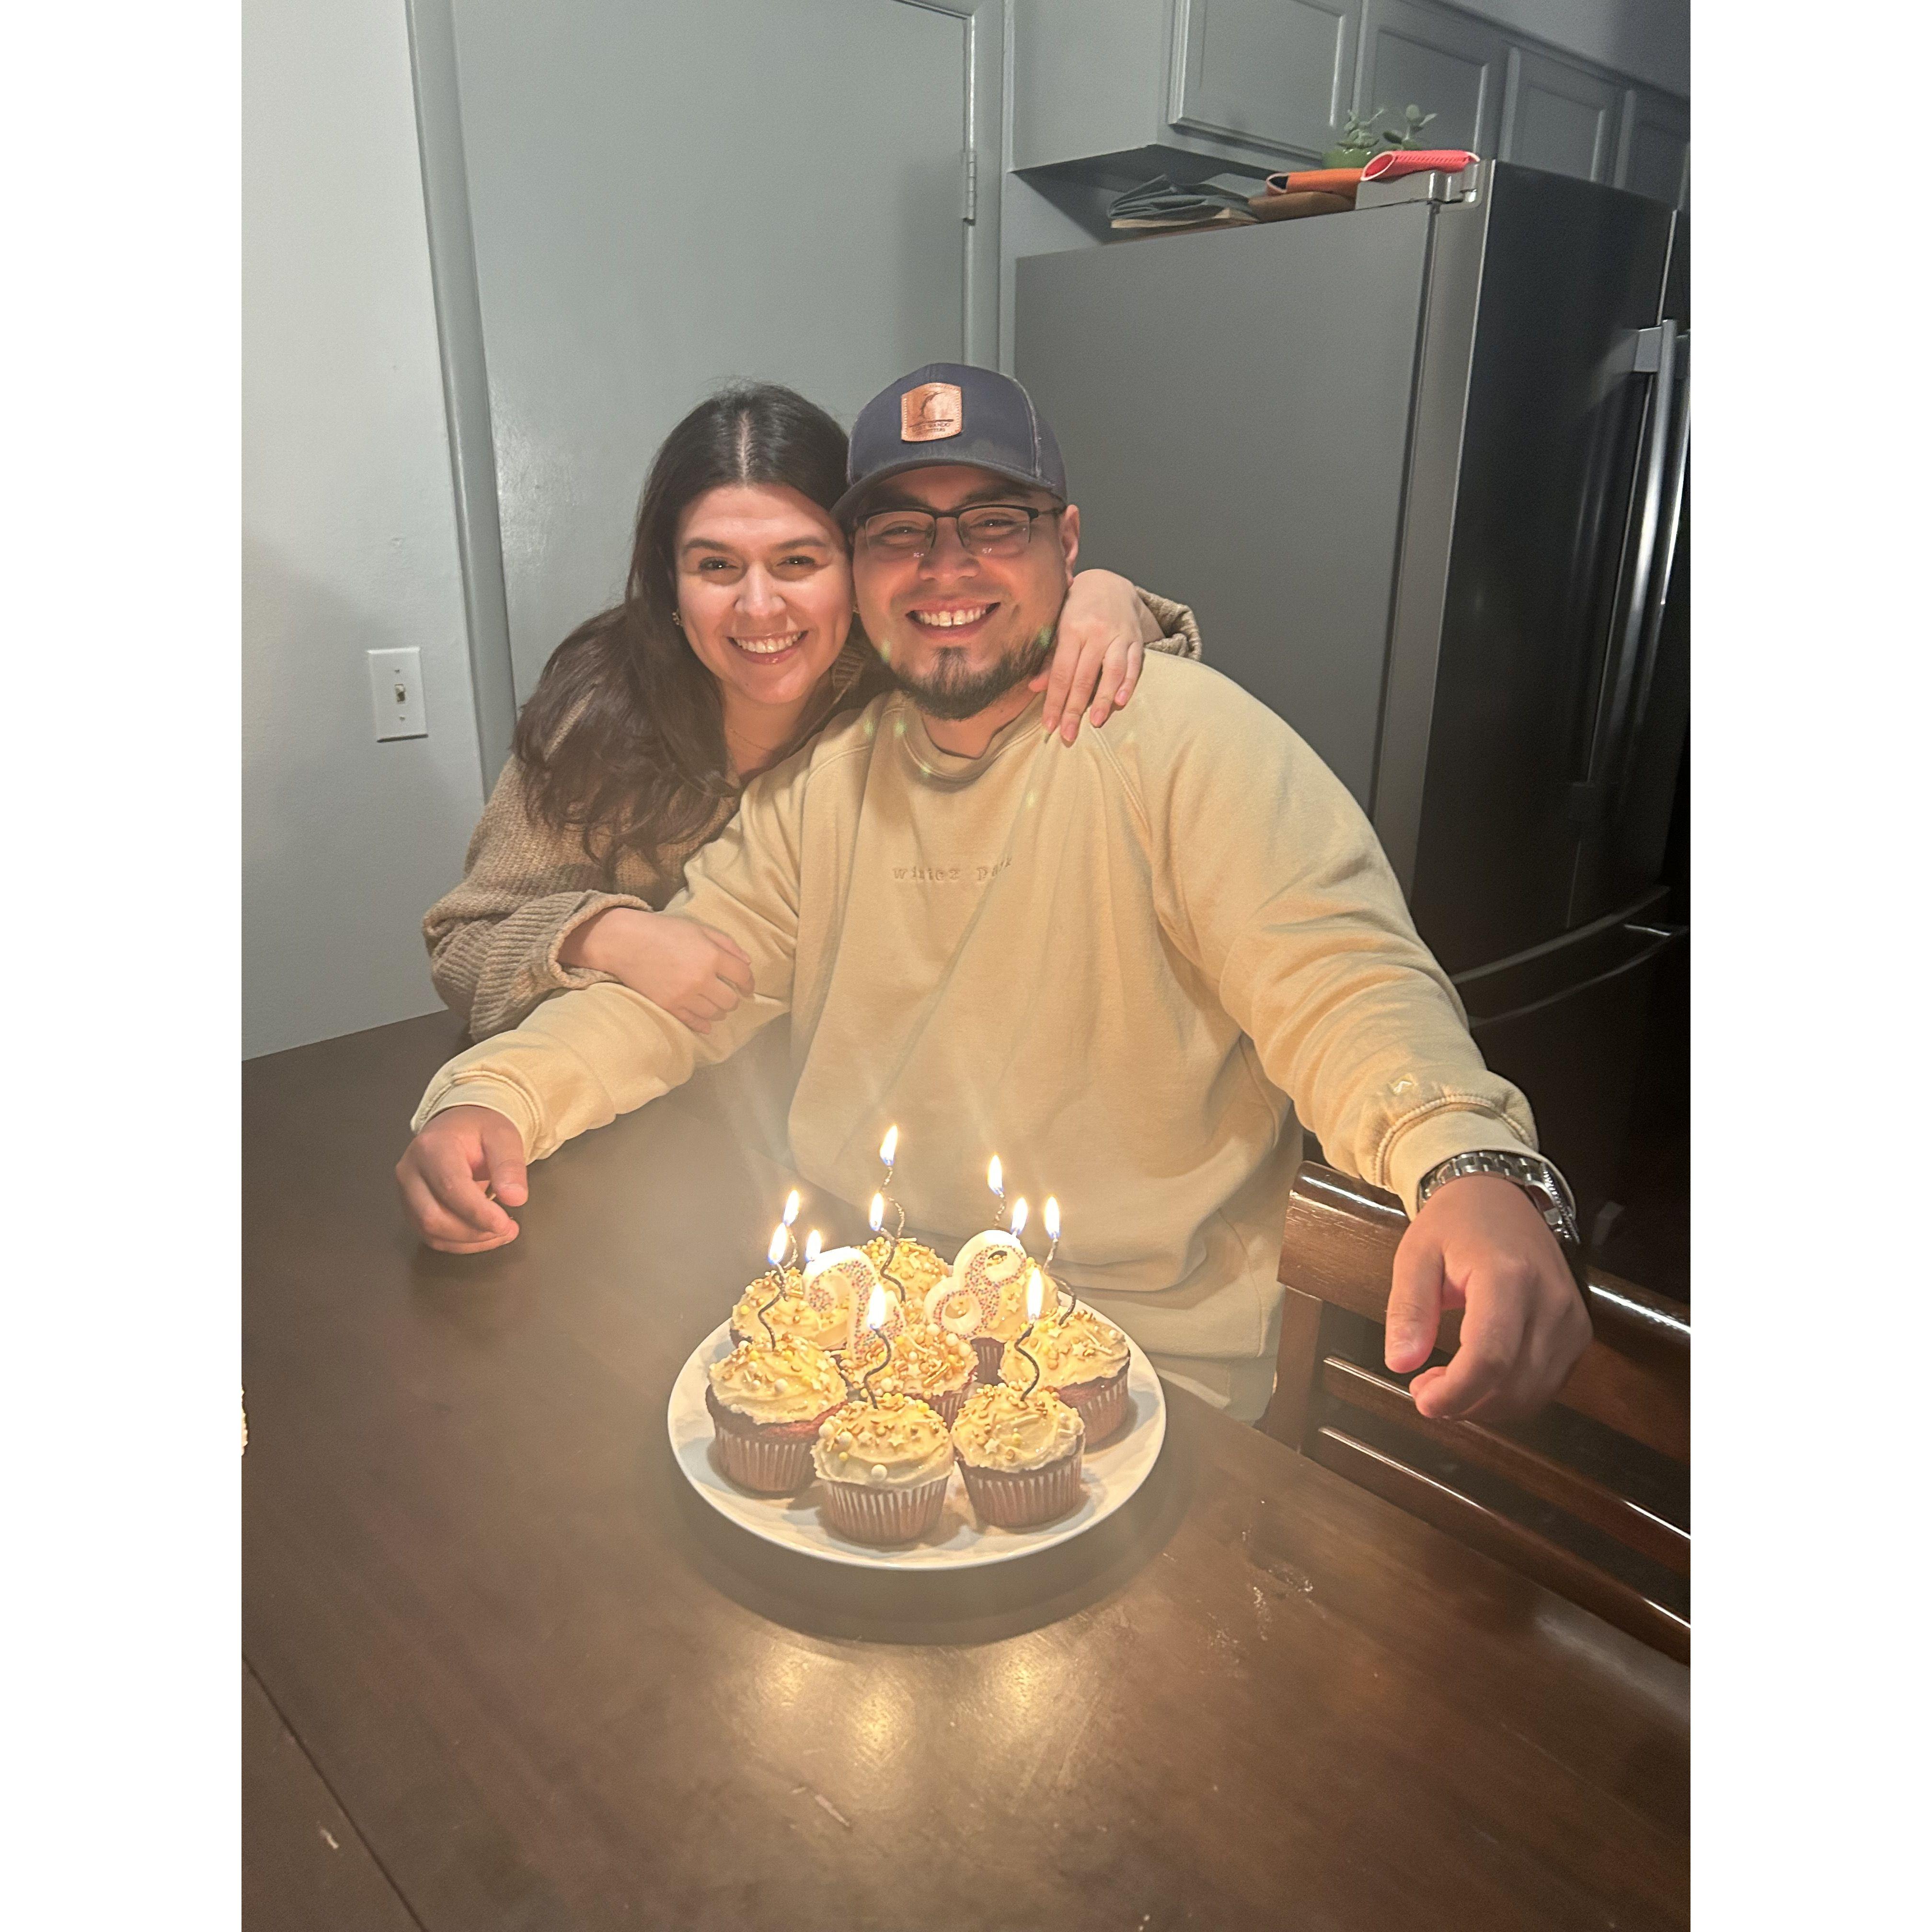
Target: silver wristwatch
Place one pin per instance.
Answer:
(1538, 1178)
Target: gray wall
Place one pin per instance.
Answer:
(348, 532)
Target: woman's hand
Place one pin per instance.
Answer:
(1103, 633)
(693, 971)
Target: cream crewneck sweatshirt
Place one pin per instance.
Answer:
(1115, 963)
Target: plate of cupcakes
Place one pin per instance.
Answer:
(881, 1408)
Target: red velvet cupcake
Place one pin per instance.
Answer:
(926, 1363)
(883, 1469)
(766, 1404)
(1019, 1456)
(1084, 1360)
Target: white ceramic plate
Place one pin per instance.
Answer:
(1110, 1474)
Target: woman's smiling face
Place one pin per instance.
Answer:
(764, 591)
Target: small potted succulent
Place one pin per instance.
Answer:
(1359, 138)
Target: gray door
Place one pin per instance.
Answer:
(1234, 408)
(665, 197)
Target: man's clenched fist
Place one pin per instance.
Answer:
(1480, 1245)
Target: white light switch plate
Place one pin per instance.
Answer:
(395, 689)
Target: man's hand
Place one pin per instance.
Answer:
(449, 1172)
(694, 971)
(1098, 645)
(1480, 1245)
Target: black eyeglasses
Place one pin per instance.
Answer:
(987, 530)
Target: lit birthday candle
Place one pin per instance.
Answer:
(1036, 1290)
(790, 1215)
(878, 1220)
(1018, 1224)
(775, 1254)
(997, 1180)
(1050, 1220)
(888, 1151)
(875, 1320)
(813, 1243)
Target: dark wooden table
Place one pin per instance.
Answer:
(502, 1669)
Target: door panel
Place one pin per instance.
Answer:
(1551, 445)
(1446, 64)
(1559, 118)
(665, 197)
(1653, 149)
(1274, 72)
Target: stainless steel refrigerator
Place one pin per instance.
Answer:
(1420, 469)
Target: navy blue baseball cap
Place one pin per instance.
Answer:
(951, 413)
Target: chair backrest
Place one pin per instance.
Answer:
(1338, 1251)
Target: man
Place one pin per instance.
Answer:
(1115, 963)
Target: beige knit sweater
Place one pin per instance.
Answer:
(493, 941)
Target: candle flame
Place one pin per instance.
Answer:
(780, 1240)
(1036, 1292)
(995, 1179)
(1051, 1217)
(889, 1147)
(1019, 1220)
(812, 1245)
(791, 1207)
(878, 1214)
(875, 1308)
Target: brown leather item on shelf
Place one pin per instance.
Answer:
(1315, 180)
(1293, 207)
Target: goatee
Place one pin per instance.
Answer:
(950, 691)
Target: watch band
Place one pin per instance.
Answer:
(1541, 1179)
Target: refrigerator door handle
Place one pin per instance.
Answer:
(1665, 561)
(1656, 356)
(1661, 942)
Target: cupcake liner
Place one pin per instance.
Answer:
(867, 1515)
(773, 1458)
(991, 1350)
(1102, 1404)
(768, 1468)
(1014, 1498)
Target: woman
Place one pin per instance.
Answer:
(734, 644)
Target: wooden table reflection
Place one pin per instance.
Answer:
(503, 1668)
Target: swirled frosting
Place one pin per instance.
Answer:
(792, 1382)
(917, 1268)
(821, 1314)
(925, 1361)
(1077, 1347)
(1000, 1428)
(896, 1443)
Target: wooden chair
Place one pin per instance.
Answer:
(1338, 1252)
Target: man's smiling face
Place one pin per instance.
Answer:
(960, 629)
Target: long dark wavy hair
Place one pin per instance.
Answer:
(623, 738)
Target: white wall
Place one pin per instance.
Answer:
(1647, 39)
(348, 532)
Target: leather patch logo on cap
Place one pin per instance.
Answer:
(930, 412)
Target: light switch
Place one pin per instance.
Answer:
(395, 689)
